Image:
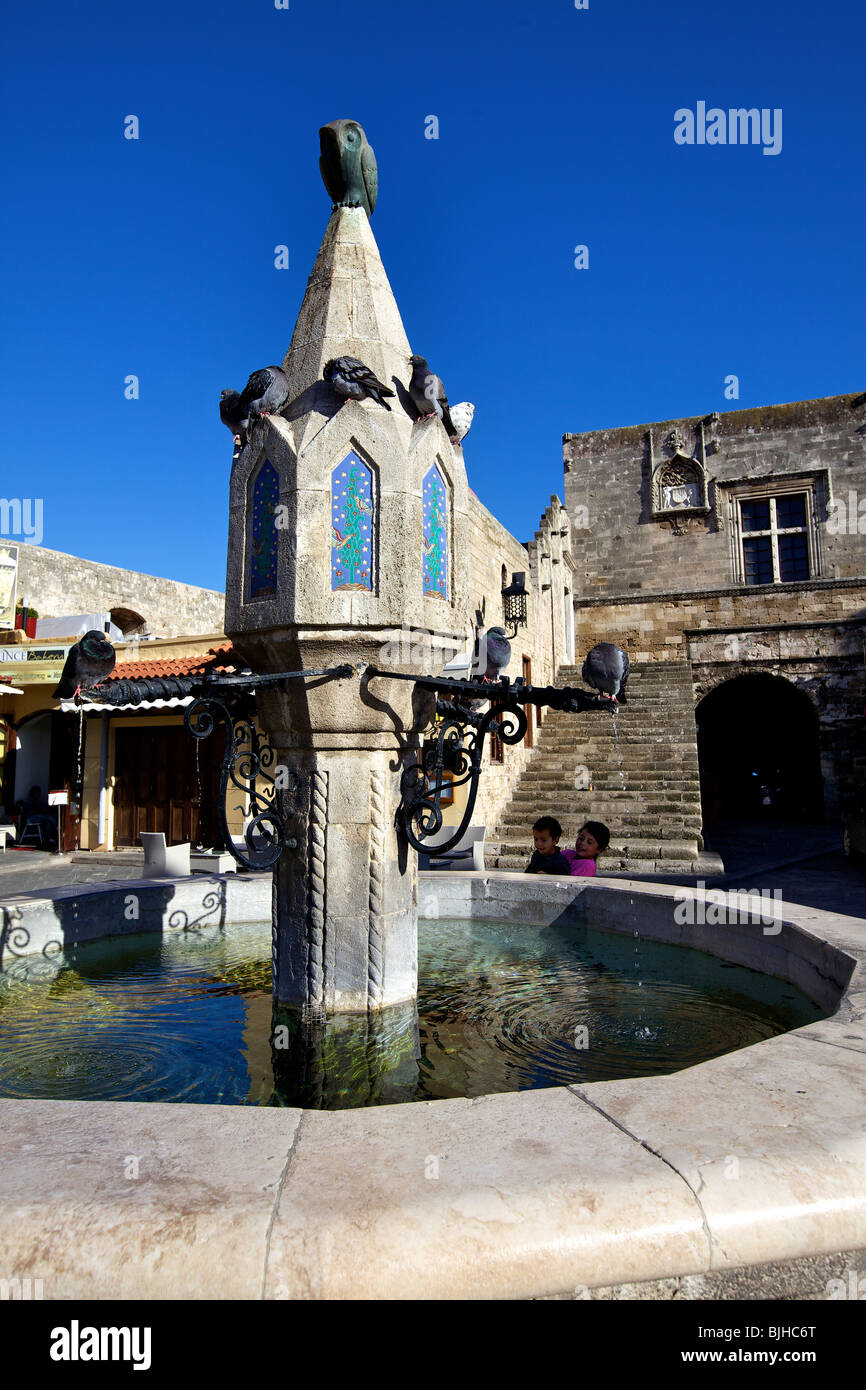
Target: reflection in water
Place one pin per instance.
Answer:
(189, 1017)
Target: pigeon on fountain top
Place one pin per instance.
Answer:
(231, 414)
(606, 669)
(352, 380)
(462, 414)
(428, 393)
(265, 393)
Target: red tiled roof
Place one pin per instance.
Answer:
(220, 658)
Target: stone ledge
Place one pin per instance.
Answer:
(644, 596)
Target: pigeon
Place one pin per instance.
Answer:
(428, 394)
(606, 669)
(265, 393)
(462, 414)
(494, 654)
(352, 380)
(231, 415)
(90, 661)
(348, 166)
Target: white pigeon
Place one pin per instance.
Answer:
(461, 416)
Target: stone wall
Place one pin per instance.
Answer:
(622, 546)
(55, 584)
(547, 564)
(654, 628)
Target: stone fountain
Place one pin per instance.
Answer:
(348, 526)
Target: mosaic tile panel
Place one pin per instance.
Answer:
(434, 537)
(352, 525)
(262, 580)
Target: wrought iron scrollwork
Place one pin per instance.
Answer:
(245, 762)
(458, 744)
(457, 748)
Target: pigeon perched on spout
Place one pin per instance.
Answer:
(606, 669)
(354, 381)
(428, 394)
(494, 654)
(90, 661)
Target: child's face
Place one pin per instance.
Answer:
(544, 842)
(586, 845)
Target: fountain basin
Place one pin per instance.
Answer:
(755, 1156)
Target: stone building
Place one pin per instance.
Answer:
(40, 741)
(140, 604)
(733, 547)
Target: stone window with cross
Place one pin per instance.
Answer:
(774, 532)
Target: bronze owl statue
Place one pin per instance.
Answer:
(348, 166)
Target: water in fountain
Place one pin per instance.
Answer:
(501, 1007)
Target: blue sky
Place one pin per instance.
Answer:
(155, 257)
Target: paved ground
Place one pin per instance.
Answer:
(32, 871)
(817, 1278)
(805, 863)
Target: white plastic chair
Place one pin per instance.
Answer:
(469, 847)
(161, 860)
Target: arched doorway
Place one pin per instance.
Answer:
(758, 749)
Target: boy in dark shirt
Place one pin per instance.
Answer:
(547, 857)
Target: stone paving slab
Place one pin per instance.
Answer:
(778, 1160)
(496, 1197)
(192, 1224)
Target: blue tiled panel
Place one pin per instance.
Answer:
(263, 533)
(352, 525)
(434, 526)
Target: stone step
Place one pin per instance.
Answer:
(644, 848)
(622, 868)
(644, 770)
(665, 827)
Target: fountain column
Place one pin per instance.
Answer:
(348, 541)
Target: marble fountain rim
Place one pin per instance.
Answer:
(753, 1157)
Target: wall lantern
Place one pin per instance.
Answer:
(514, 603)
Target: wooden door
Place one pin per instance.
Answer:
(156, 784)
(528, 709)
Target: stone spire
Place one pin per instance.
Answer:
(348, 309)
(348, 534)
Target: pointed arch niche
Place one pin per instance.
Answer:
(262, 553)
(354, 525)
(434, 533)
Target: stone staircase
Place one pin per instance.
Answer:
(651, 801)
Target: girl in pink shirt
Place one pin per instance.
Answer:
(592, 839)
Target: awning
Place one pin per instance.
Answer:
(91, 706)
